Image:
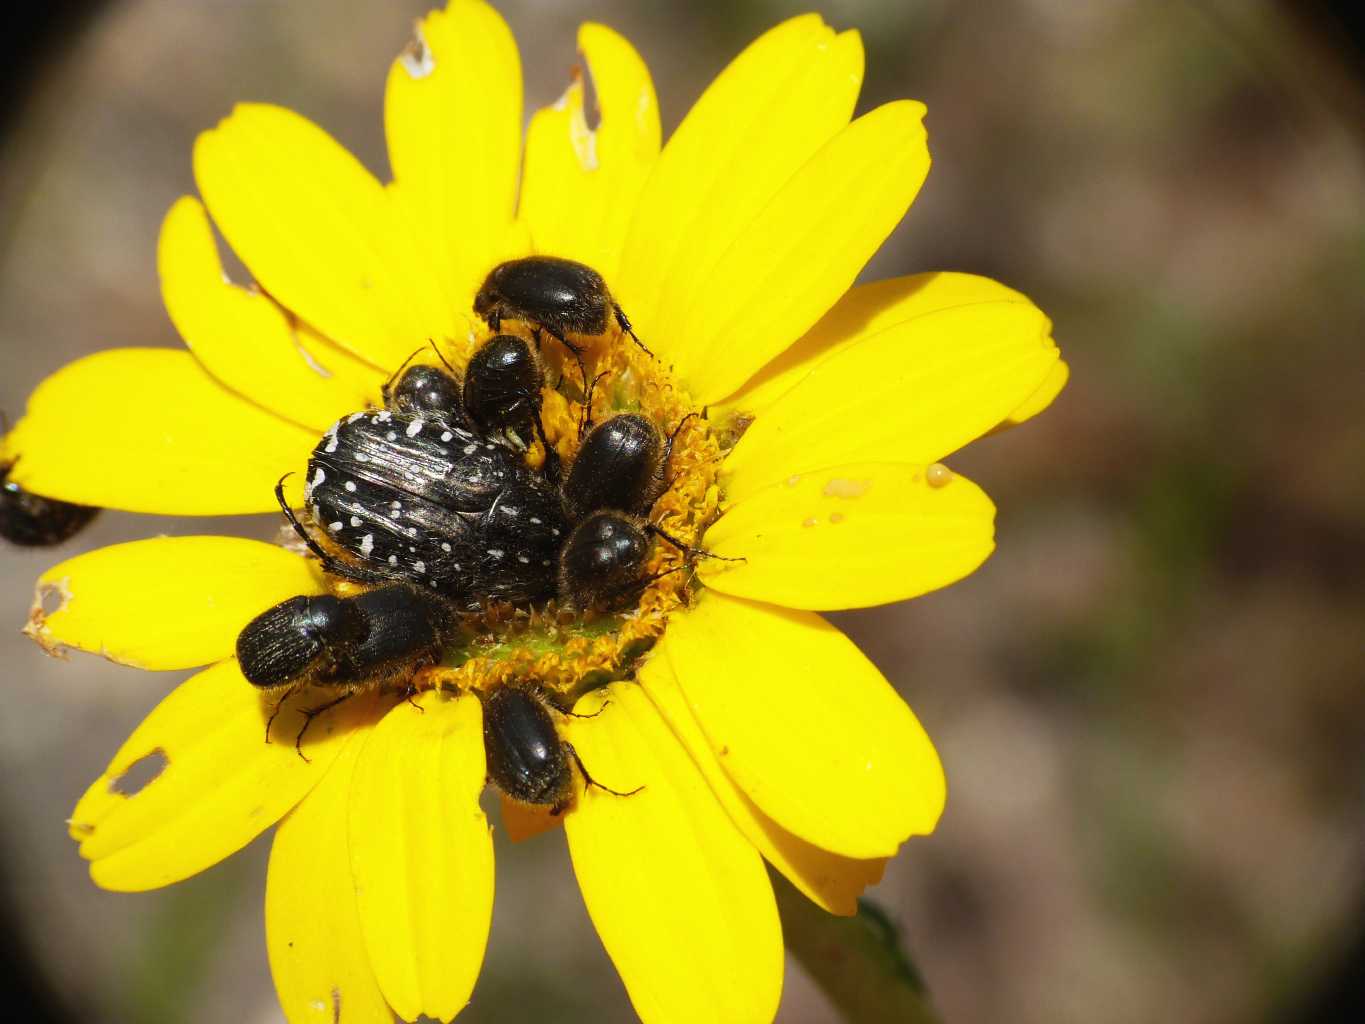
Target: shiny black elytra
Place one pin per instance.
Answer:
(527, 758)
(559, 296)
(343, 641)
(342, 644)
(618, 466)
(30, 520)
(502, 385)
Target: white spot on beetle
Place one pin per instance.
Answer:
(384, 416)
(367, 544)
(334, 527)
(415, 428)
(509, 510)
(349, 485)
(496, 552)
(420, 566)
(523, 560)
(446, 435)
(355, 520)
(445, 547)
(361, 457)
(392, 435)
(535, 520)
(393, 559)
(470, 449)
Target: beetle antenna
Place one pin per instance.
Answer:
(687, 549)
(444, 361)
(624, 324)
(388, 384)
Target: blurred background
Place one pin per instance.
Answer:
(1149, 702)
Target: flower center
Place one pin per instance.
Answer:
(566, 648)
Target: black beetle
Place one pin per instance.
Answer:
(343, 643)
(560, 296)
(502, 385)
(618, 466)
(30, 520)
(423, 502)
(527, 758)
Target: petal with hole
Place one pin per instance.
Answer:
(452, 114)
(168, 602)
(198, 780)
(581, 183)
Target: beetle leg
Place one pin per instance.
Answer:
(279, 705)
(585, 415)
(311, 713)
(588, 780)
(330, 563)
(551, 466)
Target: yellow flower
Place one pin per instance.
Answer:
(757, 731)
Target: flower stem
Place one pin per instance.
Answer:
(857, 961)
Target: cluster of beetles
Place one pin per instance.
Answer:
(429, 503)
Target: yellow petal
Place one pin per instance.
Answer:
(319, 233)
(147, 430)
(167, 603)
(756, 125)
(580, 187)
(912, 393)
(803, 251)
(677, 894)
(422, 854)
(219, 784)
(241, 336)
(452, 114)
(312, 927)
(851, 537)
(863, 311)
(1042, 398)
(806, 725)
(832, 882)
(522, 821)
